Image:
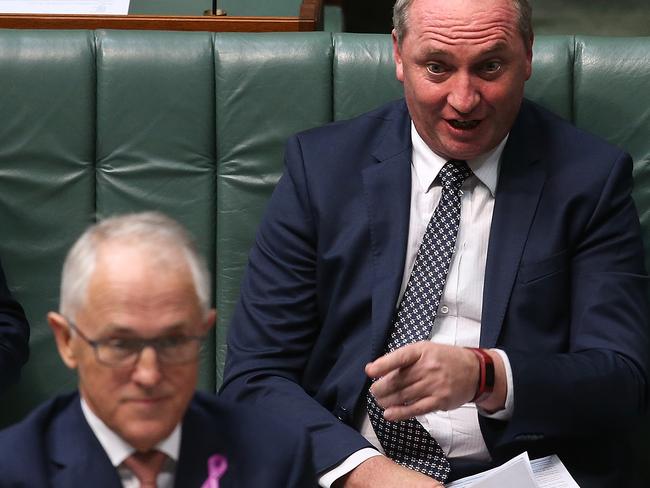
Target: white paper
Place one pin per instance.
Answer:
(516, 472)
(547, 472)
(99, 7)
(551, 473)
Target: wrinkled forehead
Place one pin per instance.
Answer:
(458, 22)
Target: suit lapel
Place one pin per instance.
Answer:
(387, 187)
(76, 456)
(200, 439)
(521, 180)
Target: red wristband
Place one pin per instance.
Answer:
(486, 375)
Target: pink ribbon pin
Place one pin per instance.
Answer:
(217, 466)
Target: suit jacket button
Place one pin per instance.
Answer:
(341, 413)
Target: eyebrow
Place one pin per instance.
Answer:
(433, 52)
(499, 46)
(118, 329)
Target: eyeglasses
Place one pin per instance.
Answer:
(125, 352)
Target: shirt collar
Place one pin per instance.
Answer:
(117, 448)
(428, 164)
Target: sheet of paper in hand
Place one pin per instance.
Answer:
(520, 471)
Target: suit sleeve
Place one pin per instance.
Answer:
(276, 321)
(14, 336)
(301, 468)
(600, 380)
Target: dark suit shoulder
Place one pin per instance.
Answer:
(38, 421)
(559, 136)
(568, 154)
(23, 446)
(336, 141)
(379, 115)
(331, 159)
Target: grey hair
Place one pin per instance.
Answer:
(524, 11)
(152, 230)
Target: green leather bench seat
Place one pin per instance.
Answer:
(193, 124)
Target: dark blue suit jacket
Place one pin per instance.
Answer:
(55, 447)
(564, 295)
(14, 336)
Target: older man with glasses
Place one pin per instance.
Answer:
(134, 314)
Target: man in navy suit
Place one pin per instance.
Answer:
(540, 341)
(135, 310)
(14, 336)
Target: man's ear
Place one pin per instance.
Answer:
(63, 337)
(529, 57)
(399, 70)
(209, 321)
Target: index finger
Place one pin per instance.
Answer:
(400, 358)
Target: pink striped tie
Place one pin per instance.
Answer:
(146, 466)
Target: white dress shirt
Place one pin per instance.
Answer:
(118, 450)
(458, 321)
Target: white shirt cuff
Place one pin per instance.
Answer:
(352, 461)
(506, 413)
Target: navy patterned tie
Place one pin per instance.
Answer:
(407, 442)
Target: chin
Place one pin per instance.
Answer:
(143, 434)
(147, 437)
(470, 150)
(462, 154)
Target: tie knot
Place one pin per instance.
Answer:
(146, 466)
(454, 172)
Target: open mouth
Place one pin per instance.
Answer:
(464, 124)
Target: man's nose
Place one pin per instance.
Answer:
(147, 368)
(463, 96)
